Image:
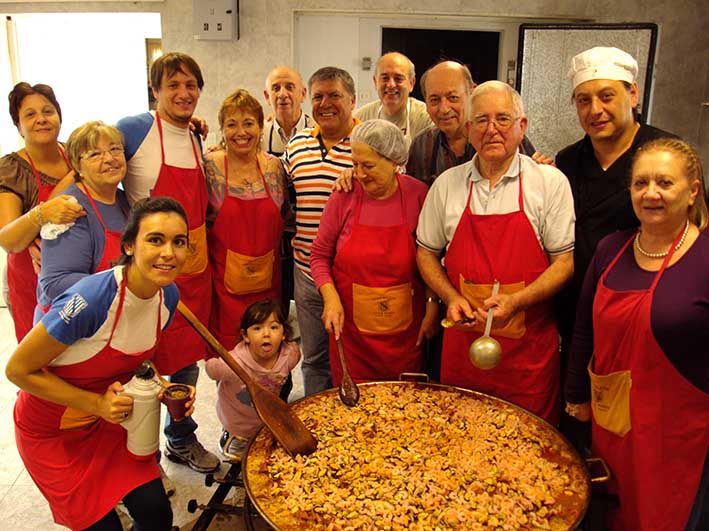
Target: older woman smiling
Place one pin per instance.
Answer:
(364, 261)
(641, 334)
(96, 152)
(28, 181)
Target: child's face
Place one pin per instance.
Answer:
(264, 339)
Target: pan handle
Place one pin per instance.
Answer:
(590, 461)
(413, 377)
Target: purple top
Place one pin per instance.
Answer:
(338, 219)
(679, 312)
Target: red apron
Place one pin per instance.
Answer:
(80, 462)
(503, 247)
(244, 245)
(180, 345)
(382, 295)
(111, 244)
(657, 464)
(21, 278)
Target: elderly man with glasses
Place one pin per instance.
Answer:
(500, 217)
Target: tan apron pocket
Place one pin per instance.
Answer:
(477, 293)
(197, 257)
(248, 274)
(75, 419)
(382, 310)
(610, 400)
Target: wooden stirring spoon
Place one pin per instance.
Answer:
(348, 390)
(285, 425)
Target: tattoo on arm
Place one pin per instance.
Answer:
(215, 181)
(275, 180)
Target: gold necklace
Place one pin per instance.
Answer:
(661, 255)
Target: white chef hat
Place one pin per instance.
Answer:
(603, 62)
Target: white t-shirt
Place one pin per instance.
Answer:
(84, 315)
(411, 120)
(143, 152)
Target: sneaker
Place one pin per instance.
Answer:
(194, 455)
(167, 483)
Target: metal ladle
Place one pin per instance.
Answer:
(485, 352)
(348, 390)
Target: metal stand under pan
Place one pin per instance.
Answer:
(216, 505)
(232, 479)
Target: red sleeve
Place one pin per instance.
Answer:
(415, 191)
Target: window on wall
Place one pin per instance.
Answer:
(95, 62)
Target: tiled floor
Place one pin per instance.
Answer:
(22, 507)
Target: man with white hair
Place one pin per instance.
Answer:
(598, 166)
(285, 93)
(500, 217)
(394, 79)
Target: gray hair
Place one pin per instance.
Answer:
(87, 136)
(331, 73)
(412, 68)
(383, 137)
(464, 70)
(495, 86)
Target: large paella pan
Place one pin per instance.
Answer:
(419, 456)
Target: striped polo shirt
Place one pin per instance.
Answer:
(312, 170)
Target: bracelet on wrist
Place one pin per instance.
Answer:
(433, 299)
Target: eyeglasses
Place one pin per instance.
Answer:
(96, 155)
(502, 122)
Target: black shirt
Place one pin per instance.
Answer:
(602, 205)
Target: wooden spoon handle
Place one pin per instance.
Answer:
(284, 424)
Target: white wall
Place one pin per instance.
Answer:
(95, 62)
(357, 35)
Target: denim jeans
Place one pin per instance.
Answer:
(314, 337)
(182, 432)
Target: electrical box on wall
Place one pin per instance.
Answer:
(215, 20)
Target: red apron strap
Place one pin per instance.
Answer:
(666, 261)
(66, 159)
(93, 205)
(122, 297)
(162, 143)
(659, 272)
(521, 194)
(34, 169)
